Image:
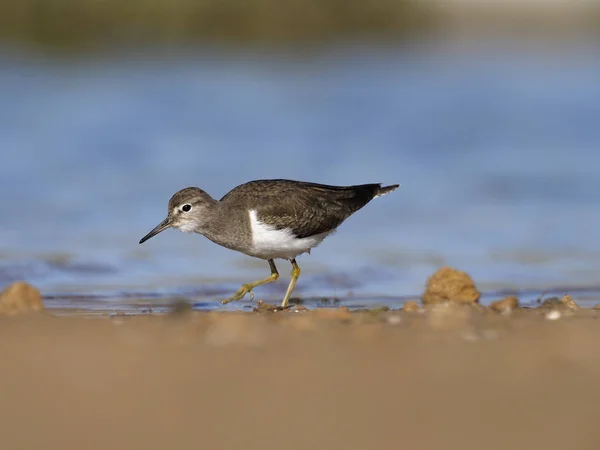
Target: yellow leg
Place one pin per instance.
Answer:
(247, 288)
(295, 275)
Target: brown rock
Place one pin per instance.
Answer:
(262, 307)
(506, 304)
(564, 303)
(450, 285)
(411, 306)
(569, 302)
(19, 298)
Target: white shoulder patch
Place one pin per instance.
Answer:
(268, 242)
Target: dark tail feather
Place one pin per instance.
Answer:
(386, 190)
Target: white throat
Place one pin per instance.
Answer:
(187, 227)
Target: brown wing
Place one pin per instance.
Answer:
(304, 208)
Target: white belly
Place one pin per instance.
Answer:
(268, 243)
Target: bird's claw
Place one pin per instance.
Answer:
(239, 294)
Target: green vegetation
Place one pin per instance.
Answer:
(73, 24)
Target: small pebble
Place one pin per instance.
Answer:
(568, 301)
(553, 315)
(394, 320)
(411, 306)
(506, 305)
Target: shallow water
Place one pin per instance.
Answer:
(496, 150)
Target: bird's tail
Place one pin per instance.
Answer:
(386, 190)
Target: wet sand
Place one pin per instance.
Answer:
(448, 377)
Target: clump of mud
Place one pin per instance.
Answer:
(450, 285)
(411, 306)
(505, 305)
(565, 302)
(19, 298)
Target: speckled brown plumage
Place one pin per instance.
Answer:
(304, 208)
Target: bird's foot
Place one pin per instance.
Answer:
(240, 293)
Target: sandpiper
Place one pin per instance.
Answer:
(268, 219)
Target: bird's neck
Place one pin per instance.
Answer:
(225, 226)
(211, 219)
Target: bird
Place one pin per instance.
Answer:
(268, 219)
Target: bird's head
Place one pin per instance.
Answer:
(187, 212)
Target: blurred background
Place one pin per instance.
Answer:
(487, 113)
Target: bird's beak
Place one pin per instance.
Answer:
(167, 223)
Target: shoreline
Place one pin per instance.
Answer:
(448, 377)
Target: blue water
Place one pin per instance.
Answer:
(497, 150)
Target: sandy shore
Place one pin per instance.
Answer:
(450, 377)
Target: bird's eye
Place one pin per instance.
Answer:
(186, 208)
